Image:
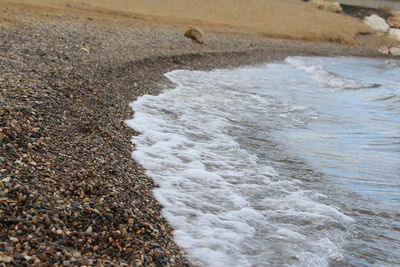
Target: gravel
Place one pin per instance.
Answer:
(70, 194)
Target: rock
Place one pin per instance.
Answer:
(377, 23)
(13, 239)
(195, 34)
(327, 5)
(75, 204)
(89, 230)
(6, 259)
(6, 180)
(383, 49)
(85, 49)
(155, 245)
(394, 21)
(395, 13)
(76, 254)
(395, 34)
(59, 232)
(27, 257)
(395, 51)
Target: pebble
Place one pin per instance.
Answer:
(14, 239)
(64, 110)
(89, 230)
(6, 180)
(59, 232)
(75, 204)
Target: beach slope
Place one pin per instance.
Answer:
(69, 191)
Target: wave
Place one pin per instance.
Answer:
(227, 206)
(328, 78)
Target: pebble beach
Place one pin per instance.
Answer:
(70, 193)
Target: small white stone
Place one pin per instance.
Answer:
(85, 49)
(59, 232)
(89, 230)
(6, 180)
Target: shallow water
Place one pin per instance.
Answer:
(295, 163)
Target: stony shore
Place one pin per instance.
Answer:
(70, 194)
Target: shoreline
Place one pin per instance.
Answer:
(70, 192)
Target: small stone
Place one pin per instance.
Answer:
(76, 254)
(196, 34)
(14, 239)
(155, 245)
(59, 232)
(327, 5)
(6, 259)
(85, 49)
(6, 180)
(27, 257)
(75, 204)
(89, 230)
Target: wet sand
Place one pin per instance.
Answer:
(70, 192)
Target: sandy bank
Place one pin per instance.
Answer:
(290, 19)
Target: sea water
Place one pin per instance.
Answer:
(292, 163)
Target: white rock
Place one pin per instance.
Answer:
(377, 23)
(395, 34)
(89, 230)
(395, 51)
(7, 179)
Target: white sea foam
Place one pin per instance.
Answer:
(330, 79)
(228, 206)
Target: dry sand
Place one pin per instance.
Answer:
(289, 19)
(69, 191)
